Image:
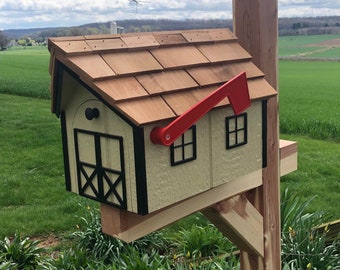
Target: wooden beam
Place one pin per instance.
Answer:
(130, 226)
(288, 157)
(256, 26)
(244, 223)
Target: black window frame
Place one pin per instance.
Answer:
(181, 144)
(235, 130)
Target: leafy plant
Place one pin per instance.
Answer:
(91, 238)
(202, 248)
(303, 247)
(294, 211)
(201, 241)
(155, 241)
(20, 254)
(105, 248)
(73, 259)
(211, 263)
(131, 258)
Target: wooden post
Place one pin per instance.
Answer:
(256, 26)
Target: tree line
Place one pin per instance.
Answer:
(287, 26)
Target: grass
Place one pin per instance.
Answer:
(32, 194)
(33, 199)
(318, 174)
(300, 45)
(310, 99)
(24, 72)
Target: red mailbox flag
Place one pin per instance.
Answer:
(235, 89)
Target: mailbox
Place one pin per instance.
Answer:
(113, 93)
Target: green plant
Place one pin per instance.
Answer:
(202, 248)
(73, 259)
(20, 253)
(130, 258)
(90, 237)
(201, 241)
(301, 245)
(105, 248)
(211, 263)
(7, 266)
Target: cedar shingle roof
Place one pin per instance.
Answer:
(157, 76)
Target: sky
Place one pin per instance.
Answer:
(18, 14)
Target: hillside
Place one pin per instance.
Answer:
(287, 26)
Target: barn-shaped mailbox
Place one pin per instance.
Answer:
(111, 91)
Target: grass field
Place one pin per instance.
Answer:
(24, 72)
(32, 194)
(33, 199)
(322, 47)
(310, 99)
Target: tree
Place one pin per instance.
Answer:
(296, 26)
(3, 41)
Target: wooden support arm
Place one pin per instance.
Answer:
(240, 222)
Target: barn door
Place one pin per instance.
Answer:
(100, 167)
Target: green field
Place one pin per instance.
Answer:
(318, 47)
(24, 72)
(310, 99)
(33, 199)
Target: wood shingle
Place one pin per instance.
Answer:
(150, 77)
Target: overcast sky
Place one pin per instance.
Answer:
(16, 14)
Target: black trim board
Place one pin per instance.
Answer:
(65, 152)
(57, 89)
(140, 168)
(264, 134)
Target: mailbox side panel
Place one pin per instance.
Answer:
(99, 152)
(236, 160)
(167, 183)
(215, 162)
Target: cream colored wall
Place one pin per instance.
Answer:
(228, 164)
(214, 165)
(75, 99)
(168, 184)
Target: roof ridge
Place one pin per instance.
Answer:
(138, 41)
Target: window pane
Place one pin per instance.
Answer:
(232, 124)
(240, 136)
(188, 151)
(232, 139)
(240, 122)
(178, 156)
(184, 148)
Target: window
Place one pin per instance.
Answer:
(184, 148)
(236, 127)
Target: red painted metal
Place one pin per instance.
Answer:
(235, 89)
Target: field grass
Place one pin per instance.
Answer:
(24, 72)
(308, 46)
(318, 174)
(33, 199)
(310, 99)
(32, 194)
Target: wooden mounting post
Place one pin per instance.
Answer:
(256, 26)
